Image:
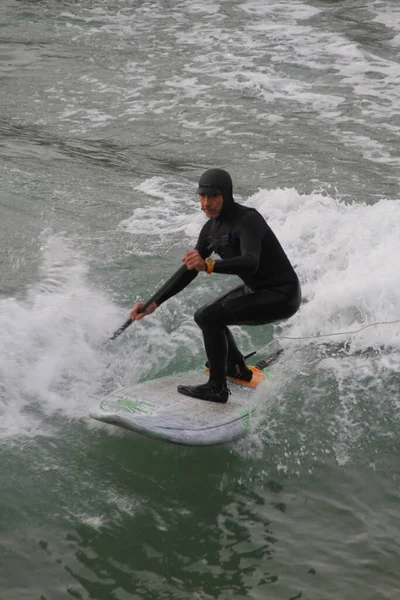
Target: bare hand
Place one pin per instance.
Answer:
(193, 260)
(136, 315)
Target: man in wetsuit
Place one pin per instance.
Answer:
(247, 247)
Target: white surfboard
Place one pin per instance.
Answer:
(155, 408)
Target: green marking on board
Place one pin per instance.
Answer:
(133, 404)
(126, 405)
(245, 420)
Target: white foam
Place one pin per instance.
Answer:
(345, 255)
(334, 388)
(51, 356)
(297, 12)
(54, 349)
(164, 210)
(389, 16)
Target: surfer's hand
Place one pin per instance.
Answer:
(193, 260)
(136, 315)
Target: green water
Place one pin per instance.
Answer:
(110, 112)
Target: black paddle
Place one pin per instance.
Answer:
(154, 298)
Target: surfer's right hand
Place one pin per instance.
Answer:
(136, 315)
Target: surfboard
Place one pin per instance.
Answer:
(156, 409)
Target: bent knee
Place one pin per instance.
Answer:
(210, 315)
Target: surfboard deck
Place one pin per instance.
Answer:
(156, 409)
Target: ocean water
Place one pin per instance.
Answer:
(110, 112)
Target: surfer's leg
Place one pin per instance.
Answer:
(211, 319)
(242, 306)
(263, 306)
(236, 364)
(211, 323)
(224, 357)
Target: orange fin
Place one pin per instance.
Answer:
(258, 377)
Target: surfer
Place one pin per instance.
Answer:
(247, 247)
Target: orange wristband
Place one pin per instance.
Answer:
(210, 263)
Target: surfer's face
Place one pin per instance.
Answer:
(211, 205)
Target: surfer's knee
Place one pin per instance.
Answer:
(200, 316)
(210, 315)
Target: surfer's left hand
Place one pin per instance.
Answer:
(136, 315)
(193, 260)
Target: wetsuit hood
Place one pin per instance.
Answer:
(217, 181)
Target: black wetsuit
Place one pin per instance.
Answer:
(270, 292)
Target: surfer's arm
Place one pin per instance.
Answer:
(187, 276)
(179, 284)
(184, 279)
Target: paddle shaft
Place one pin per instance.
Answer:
(154, 298)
